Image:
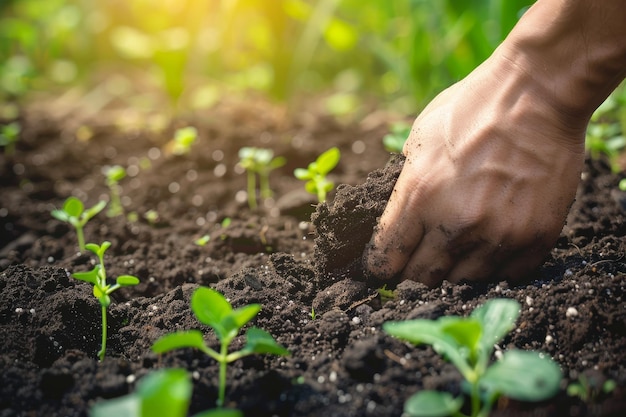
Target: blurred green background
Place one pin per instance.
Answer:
(190, 53)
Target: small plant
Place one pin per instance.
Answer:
(606, 132)
(9, 135)
(152, 217)
(394, 140)
(183, 139)
(114, 174)
(202, 240)
(74, 213)
(386, 294)
(166, 392)
(468, 342)
(588, 389)
(315, 174)
(212, 308)
(101, 290)
(261, 162)
(313, 314)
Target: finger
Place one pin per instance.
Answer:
(477, 266)
(398, 232)
(431, 262)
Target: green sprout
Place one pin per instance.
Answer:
(152, 217)
(588, 389)
(74, 213)
(315, 173)
(212, 308)
(468, 342)
(313, 314)
(394, 140)
(606, 132)
(114, 174)
(9, 135)
(261, 162)
(202, 240)
(165, 392)
(101, 290)
(183, 139)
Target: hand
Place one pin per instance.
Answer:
(492, 167)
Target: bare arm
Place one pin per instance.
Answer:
(494, 161)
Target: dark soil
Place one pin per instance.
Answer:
(342, 363)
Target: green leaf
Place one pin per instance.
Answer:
(210, 306)
(260, 341)
(88, 276)
(165, 393)
(115, 173)
(244, 314)
(302, 174)
(524, 376)
(311, 187)
(497, 317)
(93, 247)
(179, 340)
(430, 332)
(102, 248)
(89, 213)
(127, 280)
(126, 406)
(328, 160)
(277, 162)
(465, 331)
(432, 404)
(230, 324)
(60, 215)
(73, 207)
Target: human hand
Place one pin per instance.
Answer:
(489, 177)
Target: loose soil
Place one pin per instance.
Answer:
(289, 256)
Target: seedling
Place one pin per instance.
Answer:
(315, 174)
(202, 240)
(152, 217)
(212, 308)
(74, 213)
(394, 140)
(386, 294)
(114, 174)
(588, 389)
(101, 290)
(261, 162)
(165, 392)
(468, 342)
(183, 139)
(9, 135)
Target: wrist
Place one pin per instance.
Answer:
(572, 52)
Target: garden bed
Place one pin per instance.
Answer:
(341, 362)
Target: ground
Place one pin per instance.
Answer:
(291, 256)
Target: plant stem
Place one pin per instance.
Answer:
(251, 190)
(115, 209)
(81, 238)
(321, 195)
(264, 185)
(104, 334)
(222, 381)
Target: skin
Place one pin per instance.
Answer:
(493, 162)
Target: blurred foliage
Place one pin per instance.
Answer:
(606, 132)
(401, 52)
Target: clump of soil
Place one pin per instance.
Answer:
(341, 363)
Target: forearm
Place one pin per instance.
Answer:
(573, 50)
